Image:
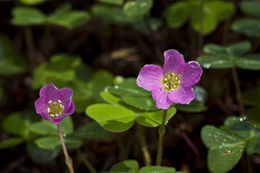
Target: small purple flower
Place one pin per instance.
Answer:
(173, 82)
(54, 104)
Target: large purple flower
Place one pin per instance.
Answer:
(54, 104)
(173, 82)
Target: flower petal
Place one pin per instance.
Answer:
(69, 109)
(67, 93)
(40, 106)
(182, 95)
(191, 74)
(56, 120)
(161, 98)
(51, 92)
(173, 61)
(150, 77)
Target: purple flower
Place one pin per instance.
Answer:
(54, 104)
(173, 82)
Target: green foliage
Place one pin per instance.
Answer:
(157, 169)
(248, 26)
(45, 127)
(116, 15)
(198, 104)
(52, 142)
(112, 118)
(226, 146)
(10, 61)
(131, 166)
(60, 69)
(126, 166)
(205, 15)
(231, 56)
(32, 2)
(138, 8)
(90, 130)
(10, 142)
(41, 156)
(24, 16)
(251, 8)
(154, 119)
(16, 124)
(62, 16)
(117, 2)
(127, 103)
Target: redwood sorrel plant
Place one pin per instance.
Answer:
(55, 104)
(170, 84)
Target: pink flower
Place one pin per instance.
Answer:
(54, 104)
(173, 82)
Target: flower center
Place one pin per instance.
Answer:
(171, 81)
(55, 108)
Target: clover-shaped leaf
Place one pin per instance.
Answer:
(225, 149)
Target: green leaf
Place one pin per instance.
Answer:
(112, 118)
(240, 127)
(221, 9)
(90, 130)
(10, 142)
(66, 18)
(209, 23)
(26, 16)
(252, 97)
(46, 127)
(177, 14)
(48, 142)
(157, 169)
(214, 49)
(142, 103)
(239, 48)
(32, 2)
(214, 61)
(225, 149)
(251, 8)
(16, 124)
(253, 146)
(128, 88)
(110, 98)
(41, 156)
(154, 119)
(10, 61)
(62, 68)
(126, 166)
(249, 62)
(236, 49)
(117, 2)
(138, 8)
(194, 106)
(110, 14)
(249, 27)
(253, 116)
(53, 142)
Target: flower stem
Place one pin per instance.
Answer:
(238, 91)
(146, 154)
(161, 131)
(86, 162)
(68, 161)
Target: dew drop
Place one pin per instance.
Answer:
(228, 151)
(116, 86)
